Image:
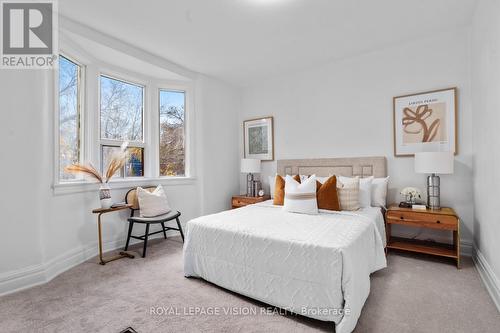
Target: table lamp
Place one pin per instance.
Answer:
(250, 166)
(433, 163)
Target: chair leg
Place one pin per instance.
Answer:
(164, 232)
(145, 241)
(180, 228)
(130, 226)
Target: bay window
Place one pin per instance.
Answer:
(149, 114)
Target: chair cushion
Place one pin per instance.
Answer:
(157, 219)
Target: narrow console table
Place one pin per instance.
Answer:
(122, 254)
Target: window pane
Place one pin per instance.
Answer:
(121, 110)
(172, 132)
(69, 116)
(106, 155)
(134, 167)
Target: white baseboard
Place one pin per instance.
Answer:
(31, 276)
(487, 275)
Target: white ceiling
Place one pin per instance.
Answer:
(242, 41)
(111, 59)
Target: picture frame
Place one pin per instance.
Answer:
(425, 121)
(258, 138)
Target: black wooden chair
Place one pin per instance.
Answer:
(131, 198)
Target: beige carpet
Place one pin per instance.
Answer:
(414, 294)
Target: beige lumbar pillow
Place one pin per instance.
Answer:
(300, 197)
(348, 191)
(153, 203)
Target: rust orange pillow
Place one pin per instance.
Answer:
(326, 194)
(279, 189)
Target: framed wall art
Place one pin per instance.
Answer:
(425, 122)
(258, 138)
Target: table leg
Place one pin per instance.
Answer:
(456, 243)
(104, 261)
(100, 239)
(387, 236)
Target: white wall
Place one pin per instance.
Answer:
(486, 134)
(20, 171)
(344, 108)
(43, 233)
(220, 105)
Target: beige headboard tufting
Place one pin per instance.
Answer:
(352, 166)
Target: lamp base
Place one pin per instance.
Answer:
(250, 188)
(433, 192)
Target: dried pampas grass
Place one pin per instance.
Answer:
(116, 163)
(88, 170)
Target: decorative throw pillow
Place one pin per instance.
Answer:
(365, 188)
(326, 194)
(322, 180)
(152, 203)
(348, 191)
(300, 197)
(379, 192)
(279, 189)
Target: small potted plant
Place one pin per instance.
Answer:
(116, 163)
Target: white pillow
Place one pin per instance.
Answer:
(365, 190)
(319, 179)
(152, 203)
(348, 192)
(379, 192)
(272, 184)
(300, 197)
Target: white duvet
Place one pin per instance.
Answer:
(318, 266)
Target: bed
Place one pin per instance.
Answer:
(318, 266)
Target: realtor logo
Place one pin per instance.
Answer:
(28, 34)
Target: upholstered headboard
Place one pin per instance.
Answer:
(352, 166)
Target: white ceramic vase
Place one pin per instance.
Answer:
(105, 196)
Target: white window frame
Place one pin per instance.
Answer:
(132, 144)
(188, 171)
(81, 117)
(90, 134)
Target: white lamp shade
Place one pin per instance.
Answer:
(250, 165)
(434, 162)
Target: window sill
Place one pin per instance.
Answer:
(86, 186)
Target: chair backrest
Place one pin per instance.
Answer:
(131, 196)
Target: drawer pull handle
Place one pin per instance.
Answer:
(438, 221)
(402, 219)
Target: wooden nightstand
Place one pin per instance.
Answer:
(443, 219)
(242, 200)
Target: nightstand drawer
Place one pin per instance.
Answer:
(240, 203)
(437, 221)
